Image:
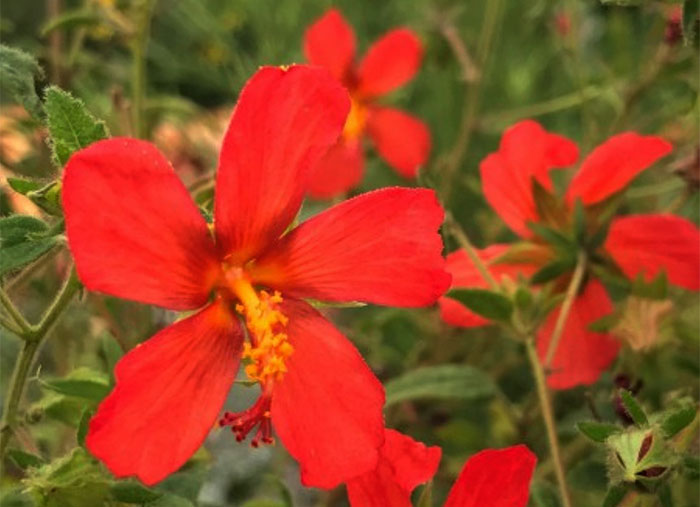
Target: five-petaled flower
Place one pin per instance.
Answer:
(492, 477)
(401, 140)
(135, 233)
(636, 245)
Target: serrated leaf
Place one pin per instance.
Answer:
(71, 126)
(598, 431)
(132, 492)
(22, 186)
(24, 459)
(634, 409)
(445, 381)
(17, 73)
(18, 229)
(676, 420)
(22, 241)
(614, 496)
(552, 270)
(80, 383)
(488, 304)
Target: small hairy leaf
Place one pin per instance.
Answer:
(598, 431)
(71, 126)
(676, 420)
(17, 73)
(634, 409)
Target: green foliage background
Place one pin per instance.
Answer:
(611, 71)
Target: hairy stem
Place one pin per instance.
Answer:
(33, 337)
(138, 71)
(548, 416)
(14, 313)
(464, 242)
(569, 298)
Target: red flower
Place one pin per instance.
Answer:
(494, 478)
(136, 233)
(640, 245)
(401, 140)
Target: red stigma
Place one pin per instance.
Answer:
(244, 422)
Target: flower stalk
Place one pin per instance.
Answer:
(33, 337)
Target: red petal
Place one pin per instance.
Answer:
(330, 43)
(402, 140)
(381, 247)
(327, 410)
(582, 355)
(613, 164)
(527, 151)
(497, 478)
(133, 229)
(649, 244)
(284, 122)
(403, 465)
(338, 171)
(169, 392)
(390, 62)
(466, 275)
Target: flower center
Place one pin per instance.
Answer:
(357, 118)
(268, 347)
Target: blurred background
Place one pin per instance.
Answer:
(584, 69)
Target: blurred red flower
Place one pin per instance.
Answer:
(135, 233)
(497, 478)
(639, 245)
(402, 140)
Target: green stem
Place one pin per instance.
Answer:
(9, 325)
(14, 313)
(464, 242)
(471, 103)
(138, 70)
(33, 338)
(569, 298)
(548, 416)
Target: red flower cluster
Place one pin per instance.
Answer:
(135, 233)
(497, 478)
(639, 245)
(401, 140)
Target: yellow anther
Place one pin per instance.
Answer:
(269, 346)
(355, 122)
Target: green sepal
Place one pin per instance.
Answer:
(486, 303)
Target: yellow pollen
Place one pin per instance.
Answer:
(269, 347)
(355, 123)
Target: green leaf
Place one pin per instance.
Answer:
(614, 496)
(22, 186)
(634, 409)
(445, 381)
(24, 459)
(598, 431)
(17, 73)
(112, 352)
(675, 420)
(75, 480)
(690, 20)
(488, 304)
(71, 126)
(48, 198)
(81, 383)
(83, 426)
(133, 492)
(552, 270)
(70, 19)
(426, 496)
(562, 244)
(605, 323)
(22, 240)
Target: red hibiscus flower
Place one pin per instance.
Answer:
(401, 140)
(135, 233)
(636, 245)
(497, 478)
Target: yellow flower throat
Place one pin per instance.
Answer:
(268, 347)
